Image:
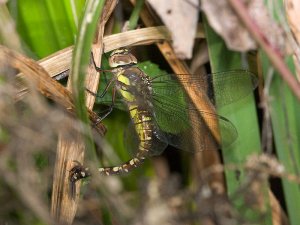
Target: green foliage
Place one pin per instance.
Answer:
(46, 26)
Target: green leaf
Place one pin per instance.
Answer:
(284, 110)
(80, 60)
(241, 113)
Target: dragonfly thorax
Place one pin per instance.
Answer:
(121, 57)
(135, 86)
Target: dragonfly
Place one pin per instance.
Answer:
(161, 113)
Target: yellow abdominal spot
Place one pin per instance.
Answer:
(140, 124)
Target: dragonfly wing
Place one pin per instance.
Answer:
(231, 86)
(131, 141)
(183, 124)
(222, 88)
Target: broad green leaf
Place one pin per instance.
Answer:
(243, 116)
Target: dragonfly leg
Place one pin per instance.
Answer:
(99, 69)
(94, 63)
(105, 89)
(110, 108)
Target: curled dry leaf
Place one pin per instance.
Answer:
(181, 18)
(224, 21)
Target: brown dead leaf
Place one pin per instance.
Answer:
(181, 19)
(223, 20)
(228, 26)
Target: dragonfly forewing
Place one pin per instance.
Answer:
(222, 88)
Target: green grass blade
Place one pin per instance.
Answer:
(134, 17)
(81, 57)
(284, 110)
(242, 113)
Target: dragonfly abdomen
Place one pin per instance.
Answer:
(144, 128)
(79, 172)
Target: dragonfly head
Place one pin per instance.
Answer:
(121, 57)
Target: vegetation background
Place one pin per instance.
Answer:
(253, 181)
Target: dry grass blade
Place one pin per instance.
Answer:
(93, 77)
(61, 60)
(36, 74)
(63, 207)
